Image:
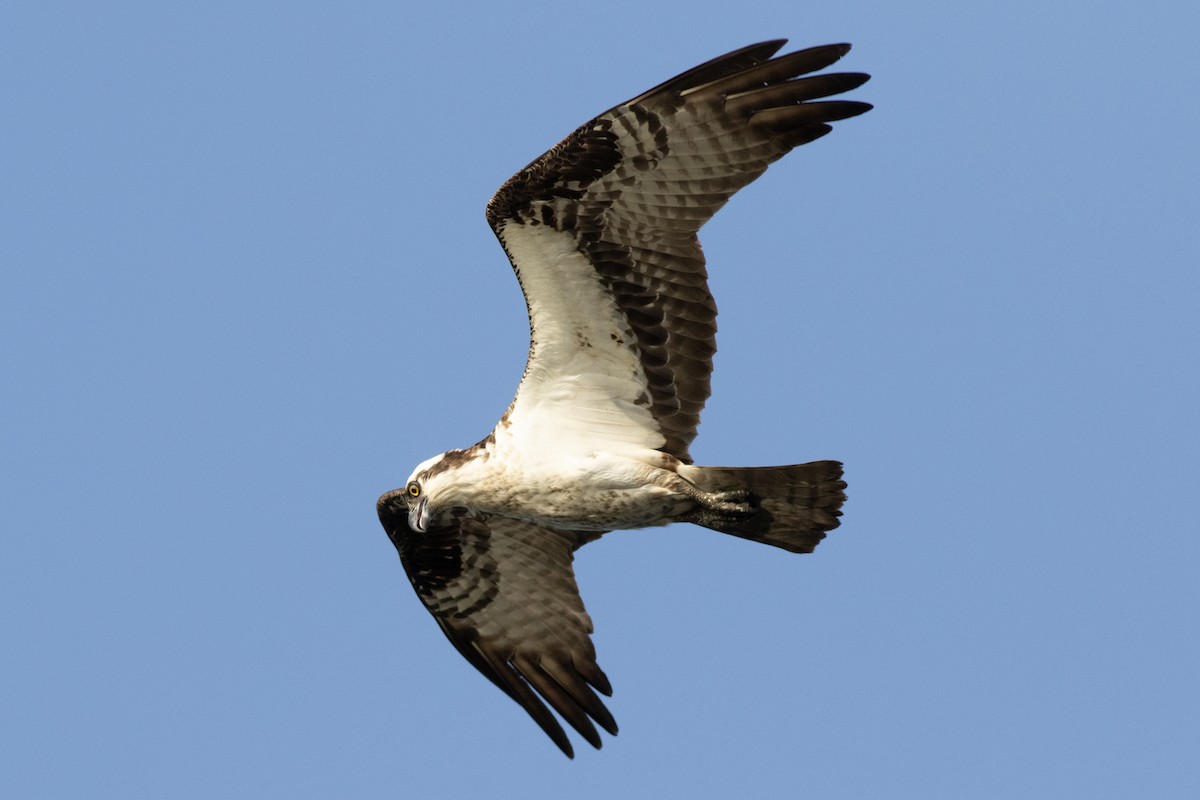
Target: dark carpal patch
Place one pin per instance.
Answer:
(565, 172)
(442, 562)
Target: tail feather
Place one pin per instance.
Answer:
(792, 506)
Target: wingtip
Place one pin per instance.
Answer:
(823, 55)
(775, 43)
(763, 49)
(855, 79)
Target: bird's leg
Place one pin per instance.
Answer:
(736, 501)
(718, 510)
(721, 503)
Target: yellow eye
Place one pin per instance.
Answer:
(413, 489)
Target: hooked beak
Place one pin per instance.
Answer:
(418, 516)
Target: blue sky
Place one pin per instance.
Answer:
(247, 285)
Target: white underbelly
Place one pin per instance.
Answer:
(598, 492)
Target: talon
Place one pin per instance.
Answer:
(731, 502)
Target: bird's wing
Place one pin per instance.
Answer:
(601, 232)
(504, 593)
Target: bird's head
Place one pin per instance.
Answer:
(424, 496)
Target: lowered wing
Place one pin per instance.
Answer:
(504, 593)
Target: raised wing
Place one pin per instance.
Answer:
(601, 232)
(504, 593)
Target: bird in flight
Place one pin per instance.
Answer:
(601, 231)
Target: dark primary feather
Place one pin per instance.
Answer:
(635, 185)
(504, 593)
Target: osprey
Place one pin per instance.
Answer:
(601, 232)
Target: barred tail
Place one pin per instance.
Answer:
(792, 506)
